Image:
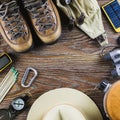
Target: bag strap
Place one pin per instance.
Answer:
(102, 40)
(67, 9)
(80, 16)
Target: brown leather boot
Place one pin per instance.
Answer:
(45, 19)
(13, 27)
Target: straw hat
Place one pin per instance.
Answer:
(64, 104)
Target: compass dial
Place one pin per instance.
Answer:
(18, 104)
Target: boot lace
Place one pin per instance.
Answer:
(9, 13)
(42, 13)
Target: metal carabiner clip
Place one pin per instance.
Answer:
(25, 76)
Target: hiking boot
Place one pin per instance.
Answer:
(45, 19)
(13, 27)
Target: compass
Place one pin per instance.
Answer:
(18, 104)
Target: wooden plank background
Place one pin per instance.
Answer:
(74, 61)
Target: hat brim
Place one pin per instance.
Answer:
(67, 96)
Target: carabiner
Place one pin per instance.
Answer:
(25, 76)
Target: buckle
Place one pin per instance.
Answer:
(102, 40)
(81, 19)
(25, 76)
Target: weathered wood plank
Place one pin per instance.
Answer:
(73, 61)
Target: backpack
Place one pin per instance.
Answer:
(86, 15)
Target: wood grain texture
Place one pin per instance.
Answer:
(73, 61)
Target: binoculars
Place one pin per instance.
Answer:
(114, 56)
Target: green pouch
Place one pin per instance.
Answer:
(86, 15)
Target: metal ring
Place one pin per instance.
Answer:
(25, 76)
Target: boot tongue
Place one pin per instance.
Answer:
(10, 6)
(36, 4)
(2, 1)
(34, 1)
(43, 1)
(7, 9)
